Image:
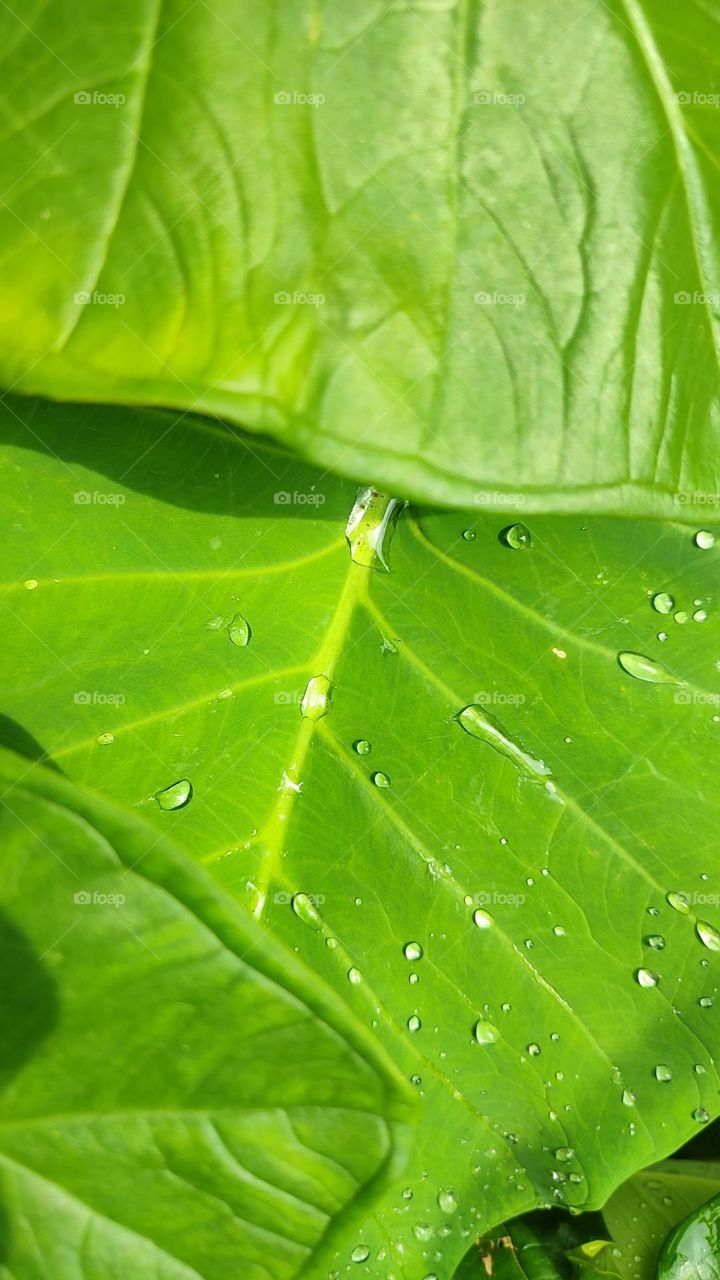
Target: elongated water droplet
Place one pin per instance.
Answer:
(176, 796)
(628, 1098)
(485, 1032)
(370, 527)
(563, 1154)
(708, 935)
(304, 908)
(483, 919)
(104, 739)
(663, 602)
(654, 940)
(663, 1073)
(517, 536)
(447, 1202)
(412, 951)
(478, 722)
(681, 617)
(362, 747)
(354, 976)
(642, 668)
(30, 584)
(705, 1002)
(239, 631)
(360, 1253)
(678, 902)
(317, 698)
(380, 779)
(215, 623)
(646, 978)
(700, 615)
(704, 539)
(413, 1023)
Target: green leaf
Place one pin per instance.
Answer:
(566, 806)
(180, 1099)
(644, 1209)
(424, 252)
(692, 1252)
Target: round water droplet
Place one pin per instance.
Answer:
(362, 746)
(642, 668)
(662, 636)
(708, 935)
(447, 1202)
(354, 976)
(563, 1154)
(239, 631)
(699, 615)
(412, 951)
(30, 584)
(678, 902)
(483, 919)
(422, 1231)
(104, 739)
(407, 1193)
(701, 1115)
(414, 1023)
(681, 617)
(469, 535)
(517, 536)
(646, 978)
(360, 1253)
(533, 1050)
(560, 931)
(663, 1073)
(331, 944)
(705, 1002)
(704, 539)
(176, 796)
(380, 779)
(485, 1032)
(654, 940)
(505, 1007)
(663, 602)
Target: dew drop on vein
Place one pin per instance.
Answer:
(362, 747)
(485, 1032)
(704, 539)
(646, 978)
(370, 527)
(412, 951)
(678, 902)
(175, 796)
(239, 631)
(380, 779)
(517, 537)
(317, 698)
(708, 935)
(663, 1073)
(104, 739)
(643, 668)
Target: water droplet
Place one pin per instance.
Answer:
(642, 668)
(478, 722)
(705, 1002)
(215, 623)
(414, 1023)
(362, 746)
(447, 1202)
(704, 539)
(559, 931)
(701, 1115)
(563, 1154)
(176, 796)
(663, 1073)
(370, 527)
(708, 935)
(646, 978)
(533, 1050)
(505, 1007)
(422, 1231)
(469, 535)
(239, 631)
(354, 976)
(380, 779)
(483, 919)
(681, 617)
(412, 951)
(517, 536)
(360, 1253)
(700, 615)
(699, 1069)
(413, 978)
(104, 739)
(678, 902)
(628, 1098)
(485, 1032)
(654, 940)
(662, 636)
(331, 943)
(304, 908)
(407, 1193)
(317, 698)
(663, 602)
(30, 584)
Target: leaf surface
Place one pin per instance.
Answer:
(423, 251)
(169, 626)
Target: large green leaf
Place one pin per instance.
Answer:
(137, 549)
(467, 251)
(692, 1252)
(179, 1098)
(642, 1212)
